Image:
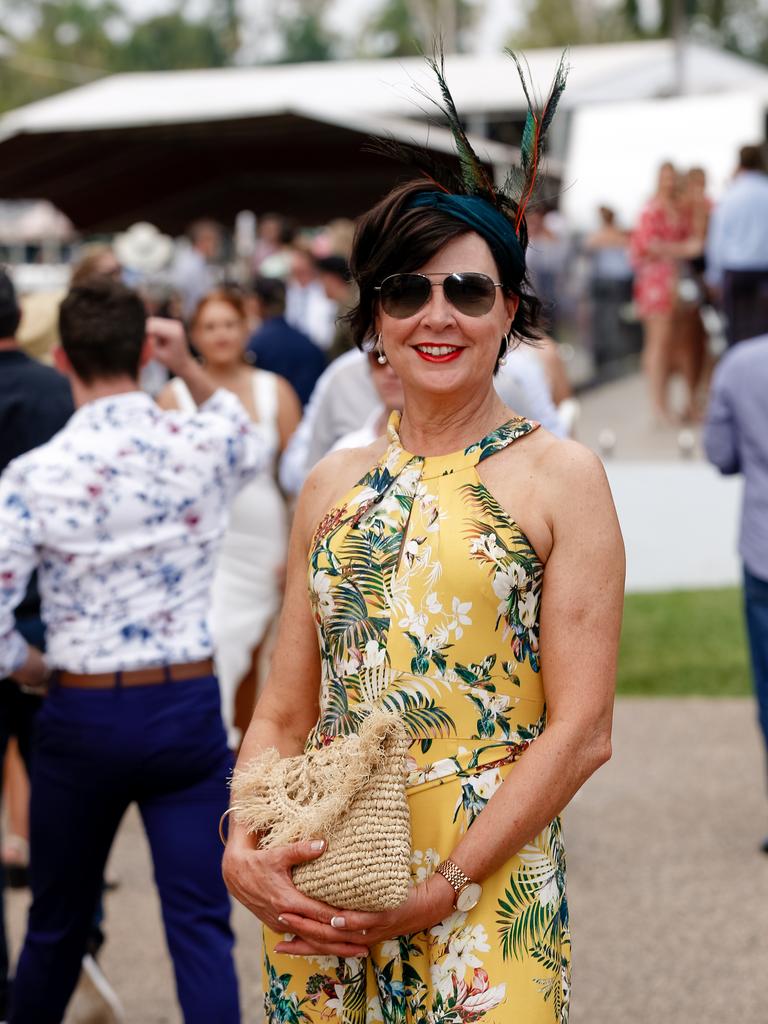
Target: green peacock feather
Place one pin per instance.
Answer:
(534, 131)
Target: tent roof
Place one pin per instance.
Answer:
(300, 165)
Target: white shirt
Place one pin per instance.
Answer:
(308, 309)
(522, 384)
(341, 401)
(122, 512)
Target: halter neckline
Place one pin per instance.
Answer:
(451, 462)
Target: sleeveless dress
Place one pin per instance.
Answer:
(246, 594)
(426, 599)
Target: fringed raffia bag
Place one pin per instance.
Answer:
(352, 794)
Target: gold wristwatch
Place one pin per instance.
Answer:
(468, 893)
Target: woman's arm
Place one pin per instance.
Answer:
(283, 717)
(581, 610)
(288, 411)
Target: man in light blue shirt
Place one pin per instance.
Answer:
(737, 249)
(736, 441)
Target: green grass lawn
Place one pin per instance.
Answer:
(684, 643)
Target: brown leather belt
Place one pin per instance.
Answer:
(138, 676)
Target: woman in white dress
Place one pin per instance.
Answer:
(247, 585)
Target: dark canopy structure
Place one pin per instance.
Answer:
(304, 166)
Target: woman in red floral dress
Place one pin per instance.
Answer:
(662, 237)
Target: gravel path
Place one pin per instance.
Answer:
(669, 896)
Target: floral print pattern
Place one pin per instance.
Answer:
(122, 512)
(426, 599)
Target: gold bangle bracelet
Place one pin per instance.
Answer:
(221, 826)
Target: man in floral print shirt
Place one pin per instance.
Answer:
(121, 514)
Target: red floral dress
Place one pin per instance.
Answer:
(655, 276)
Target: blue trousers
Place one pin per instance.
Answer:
(756, 608)
(95, 752)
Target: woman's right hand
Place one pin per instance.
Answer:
(261, 881)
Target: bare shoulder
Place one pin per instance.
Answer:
(570, 461)
(167, 397)
(574, 479)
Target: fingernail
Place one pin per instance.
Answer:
(338, 922)
(317, 844)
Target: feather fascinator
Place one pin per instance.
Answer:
(512, 198)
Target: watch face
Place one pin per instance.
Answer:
(469, 897)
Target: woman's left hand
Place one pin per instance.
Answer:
(427, 904)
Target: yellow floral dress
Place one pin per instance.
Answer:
(426, 598)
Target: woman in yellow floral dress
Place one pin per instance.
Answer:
(465, 572)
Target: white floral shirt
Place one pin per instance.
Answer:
(122, 512)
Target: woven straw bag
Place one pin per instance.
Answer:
(352, 794)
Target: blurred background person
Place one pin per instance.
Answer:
(533, 377)
(547, 258)
(660, 240)
(269, 239)
(96, 260)
(692, 353)
(277, 346)
(339, 287)
(278, 262)
(736, 441)
(340, 403)
(38, 333)
(307, 307)
(35, 403)
(192, 272)
(737, 249)
(610, 288)
(389, 390)
(247, 588)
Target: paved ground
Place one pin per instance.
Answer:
(620, 408)
(669, 897)
(679, 516)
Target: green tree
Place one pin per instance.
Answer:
(302, 32)
(404, 28)
(575, 22)
(62, 43)
(170, 42)
(68, 43)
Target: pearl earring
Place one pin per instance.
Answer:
(381, 356)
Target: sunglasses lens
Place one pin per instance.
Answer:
(402, 295)
(471, 294)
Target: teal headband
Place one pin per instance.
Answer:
(483, 218)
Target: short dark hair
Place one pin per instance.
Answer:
(102, 325)
(270, 291)
(751, 158)
(393, 238)
(335, 265)
(10, 314)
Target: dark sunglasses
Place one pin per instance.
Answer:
(402, 295)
